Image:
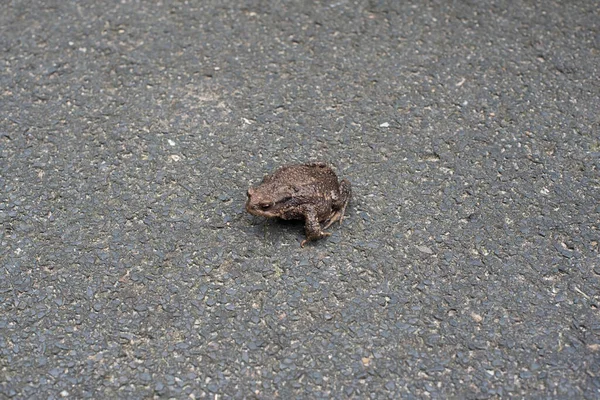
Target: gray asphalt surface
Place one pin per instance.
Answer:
(467, 267)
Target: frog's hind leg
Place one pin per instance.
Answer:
(337, 216)
(345, 195)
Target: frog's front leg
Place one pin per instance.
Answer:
(312, 226)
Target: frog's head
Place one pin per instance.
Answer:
(270, 201)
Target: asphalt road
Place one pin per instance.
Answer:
(468, 265)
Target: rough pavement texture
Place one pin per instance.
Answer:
(468, 265)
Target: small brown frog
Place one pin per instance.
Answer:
(307, 191)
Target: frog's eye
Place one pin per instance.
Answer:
(264, 206)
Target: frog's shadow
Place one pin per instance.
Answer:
(283, 226)
(273, 228)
